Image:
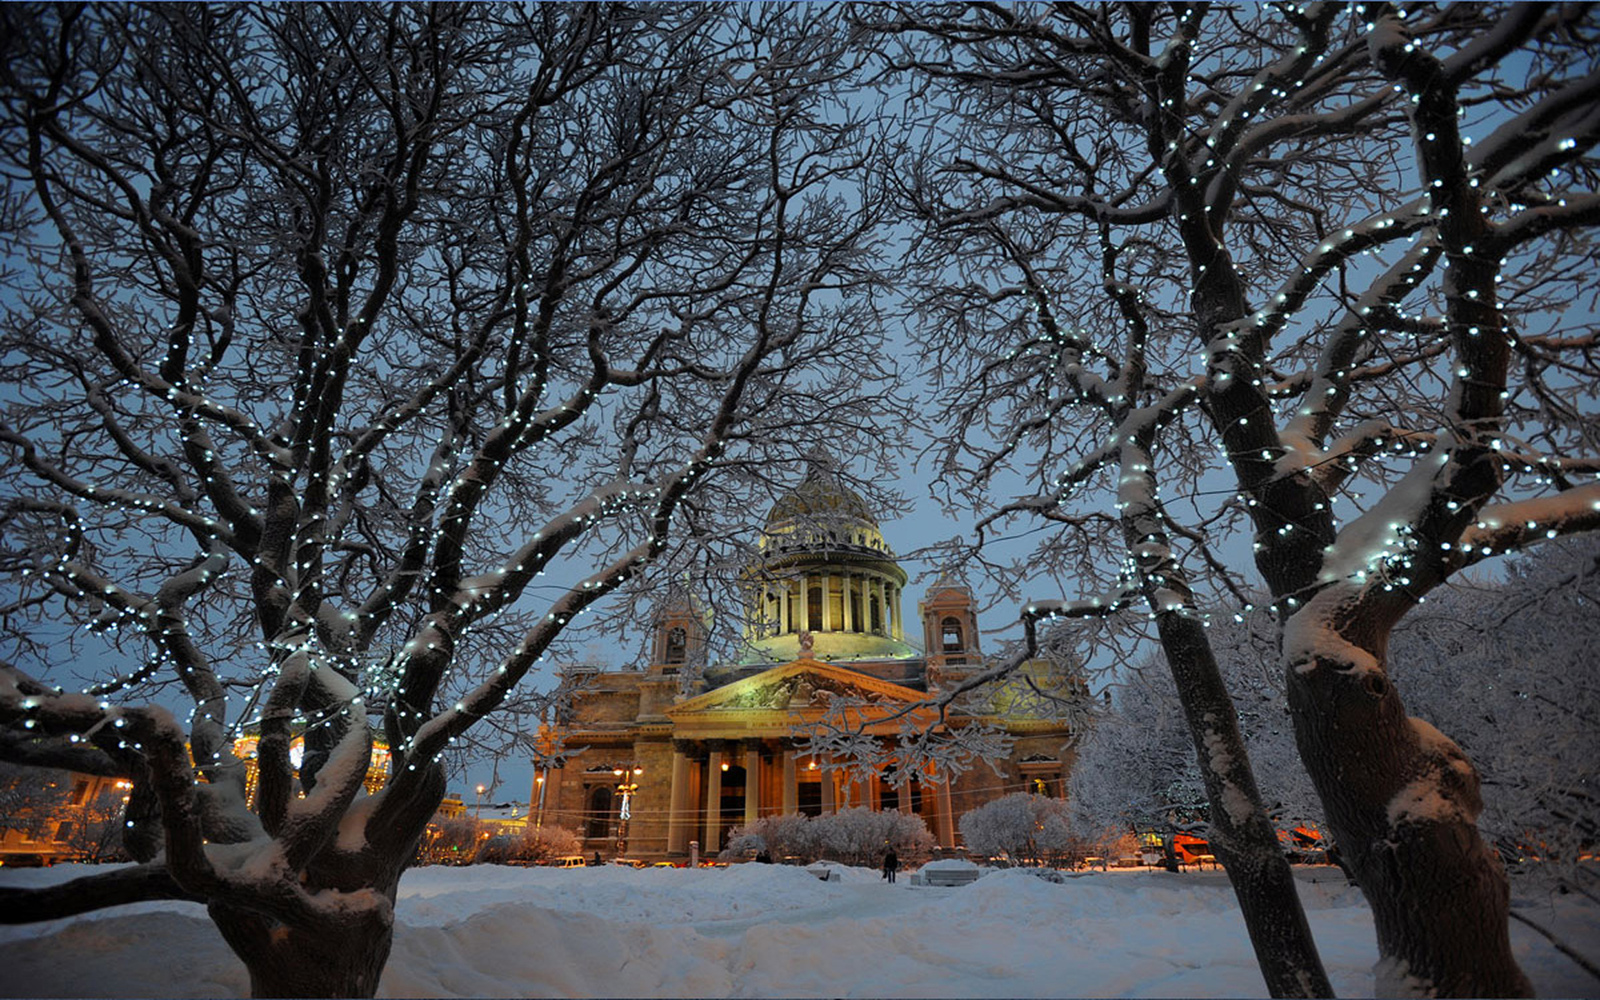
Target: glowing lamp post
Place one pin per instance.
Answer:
(627, 784)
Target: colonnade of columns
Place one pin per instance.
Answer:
(772, 780)
(794, 611)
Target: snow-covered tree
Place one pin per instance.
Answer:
(92, 831)
(1505, 668)
(30, 798)
(1136, 768)
(1023, 825)
(353, 352)
(1340, 252)
(1502, 665)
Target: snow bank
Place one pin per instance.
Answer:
(767, 930)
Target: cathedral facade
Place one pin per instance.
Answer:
(651, 761)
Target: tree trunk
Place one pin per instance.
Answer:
(1402, 801)
(1242, 838)
(336, 959)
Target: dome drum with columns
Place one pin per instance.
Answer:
(705, 750)
(825, 569)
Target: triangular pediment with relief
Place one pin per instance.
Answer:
(796, 688)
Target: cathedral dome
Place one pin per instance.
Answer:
(825, 569)
(823, 498)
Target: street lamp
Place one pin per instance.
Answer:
(479, 811)
(627, 784)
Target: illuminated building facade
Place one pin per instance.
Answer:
(680, 751)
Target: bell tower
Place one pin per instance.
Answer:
(950, 630)
(678, 633)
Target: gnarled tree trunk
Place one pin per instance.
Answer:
(1402, 802)
(340, 958)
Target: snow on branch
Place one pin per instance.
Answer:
(1343, 457)
(1519, 524)
(112, 497)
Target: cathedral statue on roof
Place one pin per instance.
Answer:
(706, 747)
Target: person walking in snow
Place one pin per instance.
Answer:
(891, 864)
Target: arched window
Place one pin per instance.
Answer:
(950, 635)
(814, 609)
(677, 645)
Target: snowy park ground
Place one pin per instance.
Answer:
(770, 930)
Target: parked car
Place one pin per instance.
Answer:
(666, 864)
(21, 860)
(568, 861)
(628, 862)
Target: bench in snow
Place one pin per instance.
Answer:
(949, 873)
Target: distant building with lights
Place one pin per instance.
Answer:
(69, 816)
(245, 747)
(678, 751)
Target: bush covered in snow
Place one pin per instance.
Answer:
(546, 842)
(1025, 826)
(853, 836)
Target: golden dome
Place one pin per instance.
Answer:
(820, 497)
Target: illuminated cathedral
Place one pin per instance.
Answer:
(678, 752)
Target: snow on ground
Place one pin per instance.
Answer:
(770, 930)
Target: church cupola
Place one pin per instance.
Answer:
(825, 569)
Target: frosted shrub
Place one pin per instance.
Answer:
(860, 836)
(546, 842)
(1022, 825)
(451, 841)
(854, 836)
(779, 836)
(500, 849)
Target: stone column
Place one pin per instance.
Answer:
(947, 818)
(805, 604)
(844, 603)
(903, 795)
(882, 590)
(825, 581)
(713, 839)
(752, 782)
(552, 796)
(894, 604)
(826, 779)
(791, 784)
(680, 814)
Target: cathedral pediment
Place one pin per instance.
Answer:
(795, 692)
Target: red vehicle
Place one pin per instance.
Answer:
(1191, 850)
